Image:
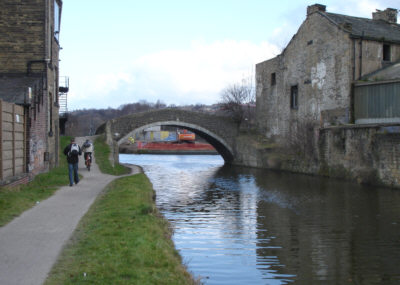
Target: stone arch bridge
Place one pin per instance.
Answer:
(219, 131)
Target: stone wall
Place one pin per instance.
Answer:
(321, 62)
(367, 154)
(114, 151)
(364, 154)
(22, 29)
(318, 61)
(219, 131)
(370, 54)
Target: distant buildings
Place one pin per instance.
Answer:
(319, 79)
(29, 76)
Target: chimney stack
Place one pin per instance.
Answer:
(388, 15)
(315, 8)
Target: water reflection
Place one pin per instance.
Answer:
(248, 226)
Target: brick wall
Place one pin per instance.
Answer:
(38, 135)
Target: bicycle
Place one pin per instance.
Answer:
(88, 160)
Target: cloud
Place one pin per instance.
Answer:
(182, 76)
(191, 75)
(361, 8)
(205, 67)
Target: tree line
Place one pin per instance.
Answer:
(86, 121)
(236, 100)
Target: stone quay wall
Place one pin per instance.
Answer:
(367, 154)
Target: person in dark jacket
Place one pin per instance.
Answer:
(72, 151)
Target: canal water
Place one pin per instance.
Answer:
(236, 225)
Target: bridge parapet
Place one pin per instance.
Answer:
(219, 131)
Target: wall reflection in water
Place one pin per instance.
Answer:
(238, 225)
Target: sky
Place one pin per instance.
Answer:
(178, 51)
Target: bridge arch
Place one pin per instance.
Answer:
(217, 142)
(219, 131)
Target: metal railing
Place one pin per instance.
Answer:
(63, 98)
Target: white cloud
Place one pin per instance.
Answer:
(205, 67)
(185, 76)
(192, 75)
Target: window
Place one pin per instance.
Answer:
(273, 79)
(294, 103)
(57, 19)
(386, 52)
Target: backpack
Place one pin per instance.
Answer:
(74, 151)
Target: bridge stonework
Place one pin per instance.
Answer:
(219, 131)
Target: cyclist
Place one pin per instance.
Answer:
(87, 148)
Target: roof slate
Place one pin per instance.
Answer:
(391, 72)
(367, 28)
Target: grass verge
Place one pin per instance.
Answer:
(15, 200)
(102, 152)
(121, 240)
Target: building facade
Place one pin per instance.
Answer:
(310, 84)
(29, 74)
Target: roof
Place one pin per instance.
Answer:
(390, 72)
(367, 28)
(14, 89)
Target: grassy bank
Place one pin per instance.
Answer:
(121, 240)
(15, 200)
(102, 152)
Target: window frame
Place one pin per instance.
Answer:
(386, 52)
(273, 79)
(294, 97)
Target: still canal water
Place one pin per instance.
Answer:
(235, 225)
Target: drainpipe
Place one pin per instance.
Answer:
(361, 54)
(48, 31)
(354, 59)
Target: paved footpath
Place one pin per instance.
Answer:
(31, 243)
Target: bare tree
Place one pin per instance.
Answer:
(238, 99)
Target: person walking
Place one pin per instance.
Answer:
(72, 151)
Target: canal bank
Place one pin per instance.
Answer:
(366, 154)
(239, 225)
(122, 240)
(32, 242)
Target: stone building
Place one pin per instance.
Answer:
(29, 74)
(310, 84)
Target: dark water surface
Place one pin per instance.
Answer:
(235, 225)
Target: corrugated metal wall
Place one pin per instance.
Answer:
(377, 103)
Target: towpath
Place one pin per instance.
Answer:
(31, 243)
